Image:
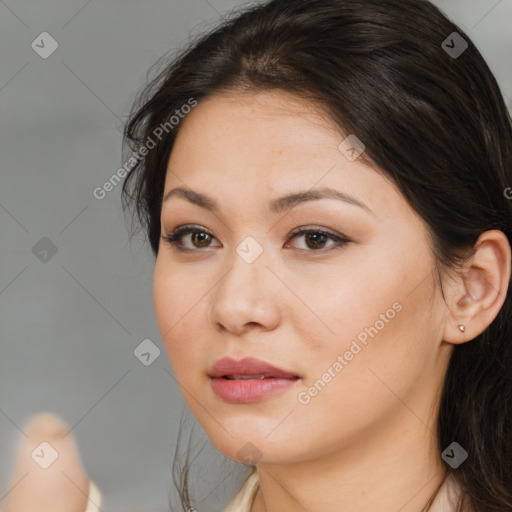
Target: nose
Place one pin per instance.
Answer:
(246, 297)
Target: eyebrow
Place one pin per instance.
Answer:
(279, 205)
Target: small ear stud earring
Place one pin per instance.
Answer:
(462, 328)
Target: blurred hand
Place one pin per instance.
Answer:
(63, 486)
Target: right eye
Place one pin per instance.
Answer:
(200, 238)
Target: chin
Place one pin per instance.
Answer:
(249, 447)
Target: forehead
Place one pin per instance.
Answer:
(256, 129)
(266, 144)
(275, 117)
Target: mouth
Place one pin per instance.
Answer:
(247, 369)
(248, 377)
(248, 380)
(246, 389)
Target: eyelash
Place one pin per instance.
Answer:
(174, 238)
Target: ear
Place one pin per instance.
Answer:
(475, 298)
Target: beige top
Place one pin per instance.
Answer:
(242, 502)
(445, 500)
(94, 502)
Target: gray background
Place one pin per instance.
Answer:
(69, 325)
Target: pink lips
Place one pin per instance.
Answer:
(252, 389)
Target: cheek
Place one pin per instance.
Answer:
(352, 388)
(340, 300)
(372, 333)
(179, 304)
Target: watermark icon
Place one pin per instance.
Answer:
(508, 192)
(249, 454)
(44, 250)
(44, 45)
(304, 397)
(150, 143)
(454, 45)
(454, 455)
(44, 455)
(249, 249)
(146, 352)
(351, 147)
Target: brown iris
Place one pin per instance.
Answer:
(318, 240)
(203, 239)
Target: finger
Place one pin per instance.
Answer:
(48, 475)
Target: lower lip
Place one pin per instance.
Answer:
(245, 391)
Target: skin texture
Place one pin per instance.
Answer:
(367, 440)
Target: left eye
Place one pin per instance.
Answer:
(315, 238)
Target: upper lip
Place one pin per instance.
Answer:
(247, 366)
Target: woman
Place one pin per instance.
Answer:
(323, 185)
(326, 188)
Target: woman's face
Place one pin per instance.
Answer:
(359, 322)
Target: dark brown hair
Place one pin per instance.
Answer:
(433, 121)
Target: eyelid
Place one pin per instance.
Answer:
(317, 229)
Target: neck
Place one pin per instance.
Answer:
(395, 468)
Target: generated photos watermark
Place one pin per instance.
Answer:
(304, 397)
(158, 133)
